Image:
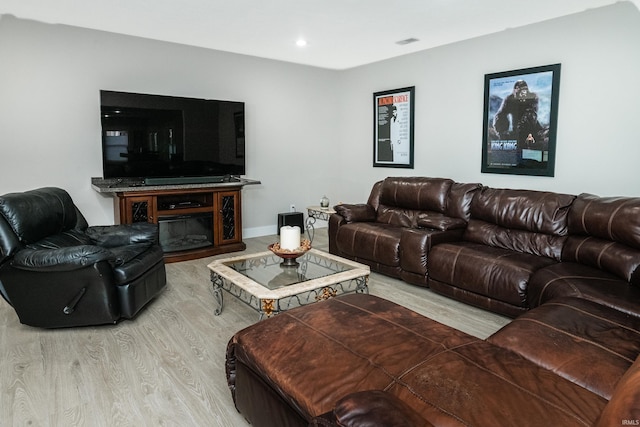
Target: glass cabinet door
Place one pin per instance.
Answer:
(228, 224)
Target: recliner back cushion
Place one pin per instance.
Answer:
(36, 214)
(415, 193)
(535, 211)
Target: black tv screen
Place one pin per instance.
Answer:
(155, 136)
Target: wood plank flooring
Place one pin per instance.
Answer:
(166, 367)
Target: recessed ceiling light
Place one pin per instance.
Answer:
(301, 43)
(407, 41)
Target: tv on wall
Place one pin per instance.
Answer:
(159, 139)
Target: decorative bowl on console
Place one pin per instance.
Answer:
(289, 255)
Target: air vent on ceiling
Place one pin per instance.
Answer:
(407, 41)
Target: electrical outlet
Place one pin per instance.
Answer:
(292, 208)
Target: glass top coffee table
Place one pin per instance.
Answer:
(261, 281)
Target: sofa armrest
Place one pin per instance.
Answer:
(372, 408)
(110, 236)
(62, 259)
(415, 244)
(438, 221)
(356, 212)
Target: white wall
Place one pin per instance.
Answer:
(598, 143)
(310, 130)
(50, 80)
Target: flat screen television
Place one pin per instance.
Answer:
(157, 139)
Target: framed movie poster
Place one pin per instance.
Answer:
(520, 119)
(393, 128)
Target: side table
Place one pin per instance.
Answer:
(315, 213)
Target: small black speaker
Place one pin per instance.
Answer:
(292, 219)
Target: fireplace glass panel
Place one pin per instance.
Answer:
(185, 232)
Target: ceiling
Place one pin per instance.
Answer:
(341, 34)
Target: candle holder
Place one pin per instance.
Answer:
(289, 255)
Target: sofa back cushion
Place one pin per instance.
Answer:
(528, 210)
(526, 221)
(416, 193)
(418, 202)
(605, 255)
(522, 241)
(610, 218)
(605, 234)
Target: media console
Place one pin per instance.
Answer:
(194, 220)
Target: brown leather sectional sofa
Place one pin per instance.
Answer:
(503, 250)
(565, 267)
(359, 360)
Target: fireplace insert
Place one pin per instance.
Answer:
(185, 232)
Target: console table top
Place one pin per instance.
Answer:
(102, 185)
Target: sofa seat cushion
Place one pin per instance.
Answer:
(571, 279)
(489, 271)
(481, 384)
(370, 241)
(446, 376)
(585, 342)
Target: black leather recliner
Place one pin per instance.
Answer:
(56, 271)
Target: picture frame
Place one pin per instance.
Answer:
(393, 128)
(520, 121)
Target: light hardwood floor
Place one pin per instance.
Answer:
(165, 367)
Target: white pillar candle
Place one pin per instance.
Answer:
(289, 237)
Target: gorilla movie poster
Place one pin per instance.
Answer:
(520, 112)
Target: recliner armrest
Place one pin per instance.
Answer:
(356, 212)
(110, 236)
(62, 259)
